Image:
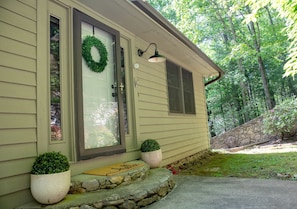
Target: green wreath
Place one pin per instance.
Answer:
(88, 43)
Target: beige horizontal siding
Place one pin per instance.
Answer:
(17, 121)
(17, 135)
(9, 16)
(13, 90)
(156, 91)
(156, 70)
(167, 120)
(179, 135)
(17, 61)
(156, 113)
(17, 151)
(16, 167)
(165, 134)
(17, 99)
(175, 155)
(157, 127)
(153, 82)
(14, 183)
(13, 105)
(11, 75)
(181, 149)
(171, 136)
(148, 106)
(17, 33)
(19, 8)
(14, 199)
(178, 147)
(30, 3)
(16, 47)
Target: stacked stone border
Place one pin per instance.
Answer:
(179, 165)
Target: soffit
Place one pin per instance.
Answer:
(127, 15)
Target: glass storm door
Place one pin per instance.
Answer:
(100, 115)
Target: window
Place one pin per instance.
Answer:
(123, 91)
(55, 93)
(180, 89)
(188, 90)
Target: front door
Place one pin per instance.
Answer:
(100, 127)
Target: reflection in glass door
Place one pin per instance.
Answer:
(101, 121)
(99, 100)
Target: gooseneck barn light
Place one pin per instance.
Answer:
(154, 58)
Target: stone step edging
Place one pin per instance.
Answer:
(136, 195)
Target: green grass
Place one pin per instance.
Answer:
(264, 166)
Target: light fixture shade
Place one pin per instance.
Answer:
(157, 57)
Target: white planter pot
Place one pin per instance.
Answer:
(50, 188)
(153, 158)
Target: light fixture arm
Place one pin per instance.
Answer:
(141, 52)
(156, 57)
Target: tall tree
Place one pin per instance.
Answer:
(252, 54)
(287, 10)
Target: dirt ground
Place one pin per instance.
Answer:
(268, 147)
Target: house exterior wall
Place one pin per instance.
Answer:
(18, 125)
(23, 100)
(179, 135)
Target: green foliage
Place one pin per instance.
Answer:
(49, 163)
(239, 41)
(282, 119)
(287, 10)
(149, 145)
(88, 43)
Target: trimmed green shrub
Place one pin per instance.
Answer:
(149, 145)
(49, 163)
(282, 119)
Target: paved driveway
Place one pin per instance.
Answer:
(194, 192)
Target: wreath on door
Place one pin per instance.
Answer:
(88, 43)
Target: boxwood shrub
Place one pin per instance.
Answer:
(49, 163)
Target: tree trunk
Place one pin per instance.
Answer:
(243, 84)
(256, 38)
(244, 90)
(268, 98)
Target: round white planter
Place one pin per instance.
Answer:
(153, 158)
(50, 188)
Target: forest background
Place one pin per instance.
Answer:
(253, 42)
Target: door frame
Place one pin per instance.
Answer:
(83, 153)
(65, 145)
(130, 137)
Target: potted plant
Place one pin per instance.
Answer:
(50, 178)
(151, 153)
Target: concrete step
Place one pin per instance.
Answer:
(89, 183)
(157, 185)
